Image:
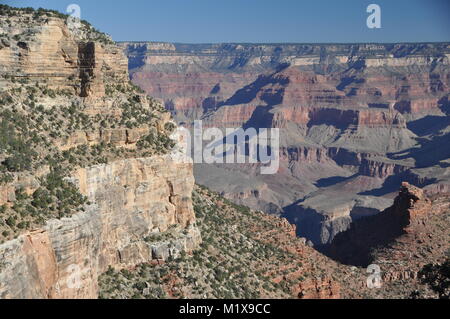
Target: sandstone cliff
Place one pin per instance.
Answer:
(90, 178)
(131, 201)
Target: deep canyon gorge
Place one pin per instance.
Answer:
(96, 203)
(355, 121)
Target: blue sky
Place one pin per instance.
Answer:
(313, 21)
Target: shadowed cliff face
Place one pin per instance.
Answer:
(355, 120)
(354, 246)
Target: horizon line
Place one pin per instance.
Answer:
(285, 43)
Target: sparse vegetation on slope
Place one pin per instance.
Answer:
(56, 197)
(244, 254)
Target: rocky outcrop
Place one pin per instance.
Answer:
(56, 56)
(410, 211)
(132, 201)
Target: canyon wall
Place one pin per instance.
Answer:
(131, 201)
(73, 91)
